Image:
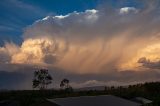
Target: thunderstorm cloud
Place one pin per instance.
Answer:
(121, 43)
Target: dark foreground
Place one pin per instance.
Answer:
(38, 97)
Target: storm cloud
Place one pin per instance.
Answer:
(105, 40)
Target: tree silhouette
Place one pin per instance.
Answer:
(41, 79)
(64, 83)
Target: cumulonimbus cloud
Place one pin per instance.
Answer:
(93, 41)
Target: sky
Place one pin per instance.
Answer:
(90, 42)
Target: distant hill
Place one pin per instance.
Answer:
(99, 88)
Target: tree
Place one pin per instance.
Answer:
(41, 79)
(64, 83)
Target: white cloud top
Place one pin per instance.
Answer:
(126, 10)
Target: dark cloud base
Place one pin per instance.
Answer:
(23, 79)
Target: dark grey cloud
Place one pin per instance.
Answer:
(22, 79)
(147, 63)
(12, 80)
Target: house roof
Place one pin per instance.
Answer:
(106, 100)
(142, 100)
